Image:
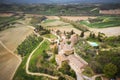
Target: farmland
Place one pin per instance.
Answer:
(8, 21)
(102, 22)
(78, 18)
(59, 25)
(8, 64)
(10, 39)
(61, 42)
(18, 33)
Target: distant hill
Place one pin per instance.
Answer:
(60, 1)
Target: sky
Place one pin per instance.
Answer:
(59, 1)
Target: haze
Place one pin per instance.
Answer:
(60, 1)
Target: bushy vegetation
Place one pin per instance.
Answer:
(42, 31)
(28, 45)
(37, 20)
(105, 60)
(98, 78)
(65, 69)
(43, 63)
(113, 41)
(21, 73)
(84, 50)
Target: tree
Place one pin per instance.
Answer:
(72, 32)
(82, 34)
(55, 49)
(58, 32)
(90, 34)
(65, 67)
(99, 37)
(110, 70)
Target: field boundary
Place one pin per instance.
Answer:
(18, 57)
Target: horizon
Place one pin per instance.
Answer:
(57, 1)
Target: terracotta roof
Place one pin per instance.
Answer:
(76, 62)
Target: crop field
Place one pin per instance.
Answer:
(12, 37)
(102, 22)
(53, 22)
(78, 18)
(59, 25)
(6, 19)
(111, 31)
(8, 64)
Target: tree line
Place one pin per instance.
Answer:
(28, 45)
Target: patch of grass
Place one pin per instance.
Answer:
(51, 36)
(40, 61)
(39, 51)
(49, 20)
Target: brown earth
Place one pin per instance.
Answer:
(76, 18)
(12, 37)
(111, 31)
(6, 14)
(8, 64)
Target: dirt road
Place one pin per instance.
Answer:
(33, 73)
(9, 63)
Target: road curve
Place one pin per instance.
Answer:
(36, 74)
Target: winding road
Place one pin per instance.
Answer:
(37, 74)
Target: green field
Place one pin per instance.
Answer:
(40, 60)
(21, 73)
(102, 22)
(6, 19)
(49, 20)
(51, 36)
